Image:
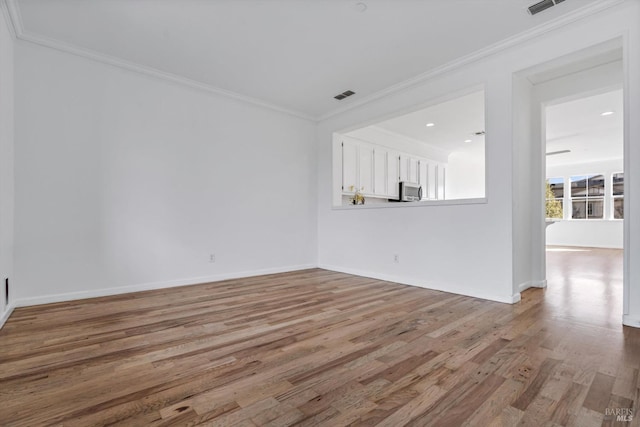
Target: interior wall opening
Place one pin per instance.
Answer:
(585, 207)
(580, 104)
(569, 145)
(433, 154)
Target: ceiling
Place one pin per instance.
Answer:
(454, 123)
(294, 55)
(579, 126)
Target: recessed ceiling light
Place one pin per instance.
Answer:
(467, 140)
(606, 113)
(430, 125)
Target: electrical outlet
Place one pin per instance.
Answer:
(212, 258)
(396, 258)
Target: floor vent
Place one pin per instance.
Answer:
(543, 5)
(344, 95)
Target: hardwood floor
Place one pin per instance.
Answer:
(324, 348)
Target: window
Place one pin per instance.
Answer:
(587, 197)
(555, 195)
(618, 195)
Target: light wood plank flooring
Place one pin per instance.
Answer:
(322, 348)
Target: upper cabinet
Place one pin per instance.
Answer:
(423, 175)
(441, 177)
(349, 166)
(380, 171)
(357, 168)
(365, 173)
(393, 173)
(375, 171)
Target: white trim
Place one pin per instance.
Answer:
(7, 18)
(532, 284)
(15, 15)
(12, 17)
(70, 296)
(7, 312)
(507, 299)
(54, 298)
(581, 13)
(633, 322)
(626, 166)
(421, 203)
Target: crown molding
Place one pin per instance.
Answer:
(153, 72)
(6, 12)
(500, 46)
(21, 34)
(13, 16)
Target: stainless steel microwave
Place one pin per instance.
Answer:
(410, 191)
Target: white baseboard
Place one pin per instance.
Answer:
(532, 284)
(70, 296)
(7, 312)
(508, 299)
(634, 322)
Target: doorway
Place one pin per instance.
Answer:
(560, 109)
(585, 208)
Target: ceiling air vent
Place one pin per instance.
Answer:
(543, 5)
(343, 95)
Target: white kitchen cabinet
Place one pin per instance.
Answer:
(393, 174)
(365, 170)
(409, 168)
(413, 170)
(432, 181)
(442, 177)
(380, 156)
(375, 171)
(403, 163)
(349, 166)
(423, 174)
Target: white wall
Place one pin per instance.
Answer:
(6, 161)
(527, 199)
(443, 246)
(468, 249)
(123, 180)
(466, 172)
(590, 233)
